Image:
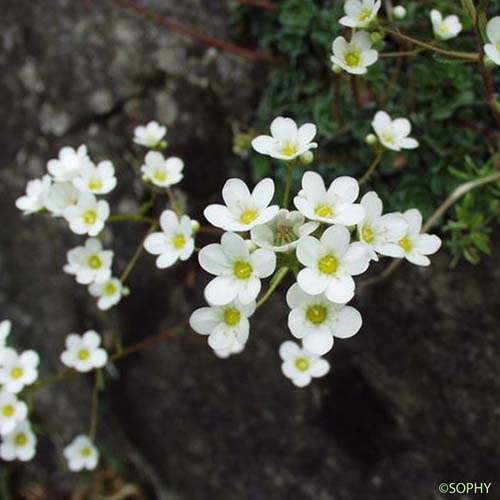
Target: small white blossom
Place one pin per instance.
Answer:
(399, 12)
(19, 444)
(88, 215)
(354, 56)
(161, 171)
(69, 163)
(5, 327)
(330, 264)
(360, 13)
(97, 179)
(238, 272)
(12, 411)
(81, 454)
(35, 198)
(284, 232)
(83, 352)
(89, 263)
(234, 348)
(301, 366)
(334, 205)
(381, 233)
(243, 210)
(174, 242)
(108, 293)
(417, 246)
(287, 141)
(61, 195)
(316, 320)
(492, 49)
(223, 324)
(18, 370)
(150, 135)
(446, 28)
(393, 134)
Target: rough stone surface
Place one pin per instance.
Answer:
(411, 401)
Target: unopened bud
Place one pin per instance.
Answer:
(306, 158)
(371, 139)
(195, 225)
(399, 12)
(336, 69)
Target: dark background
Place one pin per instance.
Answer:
(411, 401)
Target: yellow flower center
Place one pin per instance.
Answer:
(8, 411)
(302, 364)
(289, 149)
(316, 314)
(389, 138)
(248, 216)
(367, 234)
(324, 211)
(95, 184)
(89, 217)
(365, 14)
(83, 354)
(160, 175)
(328, 264)
(95, 262)
(20, 439)
(16, 372)
(109, 289)
(178, 241)
(242, 270)
(232, 316)
(405, 244)
(85, 452)
(353, 58)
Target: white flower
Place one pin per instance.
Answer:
(223, 324)
(61, 195)
(393, 134)
(161, 171)
(150, 135)
(243, 210)
(89, 263)
(174, 242)
(415, 245)
(286, 141)
(492, 49)
(284, 232)
(5, 327)
(446, 28)
(81, 454)
(334, 205)
(34, 200)
(83, 352)
(109, 293)
(399, 12)
(69, 163)
(316, 320)
(88, 215)
(17, 370)
(330, 264)
(97, 179)
(19, 444)
(234, 348)
(360, 13)
(381, 233)
(12, 411)
(354, 56)
(238, 271)
(300, 366)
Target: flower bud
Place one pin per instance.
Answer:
(251, 245)
(371, 139)
(195, 225)
(125, 291)
(306, 158)
(336, 69)
(399, 12)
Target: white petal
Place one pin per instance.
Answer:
(249, 290)
(318, 343)
(220, 291)
(349, 215)
(156, 243)
(213, 259)
(289, 350)
(263, 193)
(296, 297)
(306, 133)
(346, 187)
(264, 144)
(414, 219)
(167, 259)
(381, 123)
(320, 368)
(357, 259)
(340, 290)
(312, 281)
(263, 262)
(372, 204)
(219, 216)
(348, 322)
(284, 129)
(234, 192)
(204, 320)
(336, 238)
(234, 247)
(313, 185)
(308, 251)
(427, 244)
(493, 30)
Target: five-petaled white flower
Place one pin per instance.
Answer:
(61, 195)
(69, 163)
(97, 179)
(89, 263)
(300, 365)
(19, 444)
(360, 13)
(316, 320)
(334, 205)
(37, 191)
(287, 141)
(238, 272)
(174, 242)
(446, 28)
(381, 233)
(330, 264)
(83, 352)
(81, 454)
(492, 49)
(108, 293)
(234, 348)
(150, 135)
(88, 215)
(161, 171)
(12, 411)
(283, 232)
(5, 327)
(416, 245)
(354, 56)
(17, 370)
(393, 134)
(243, 210)
(223, 324)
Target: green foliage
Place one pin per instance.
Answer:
(443, 98)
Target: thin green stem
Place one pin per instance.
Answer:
(371, 169)
(288, 184)
(278, 278)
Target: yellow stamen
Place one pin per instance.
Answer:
(178, 241)
(85, 452)
(160, 175)
(8, 411)
(95, 184)
(95, 262)
(405, 244)
(232, 316)
(365, 14)
(316, 314)
(83, 354)
(302, 364)
(353, 58)
(367, 234)
(248, 216)
(328, 264)
(89, 217)
(16, 372)
(21, 439)
(242, 270)
(324, 211)
(109, 289)
(289, 149)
